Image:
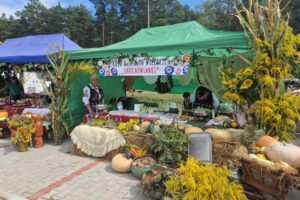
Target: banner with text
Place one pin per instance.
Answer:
(147, 67)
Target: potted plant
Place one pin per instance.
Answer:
(169, 145)
(22, 129)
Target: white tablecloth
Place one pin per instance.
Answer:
(40, 111)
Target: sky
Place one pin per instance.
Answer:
(9, 7)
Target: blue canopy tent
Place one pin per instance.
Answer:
(33, 49)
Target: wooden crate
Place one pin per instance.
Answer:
(264, 179)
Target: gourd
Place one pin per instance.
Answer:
(136, 127)
(120, 163)
(288, 153)
(3, 114)
(265, 141)
(233, 124)
(262, 156)
(181, 128)
(145, 124)
(263, 162)
(219, 135)
(191, 130)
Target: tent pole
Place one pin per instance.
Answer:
(148, 13)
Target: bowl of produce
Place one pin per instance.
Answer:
(141, 165)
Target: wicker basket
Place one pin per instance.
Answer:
(264, 179)
(139, 172)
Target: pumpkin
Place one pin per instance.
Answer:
(288, 153)
(3, 114)
(120, 163)
(145, 124)
(191, 130)
(233, 124)
(265, 141)
(219, 135)
(262, 156)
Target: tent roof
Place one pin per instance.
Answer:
(33, 49)
(168, 40)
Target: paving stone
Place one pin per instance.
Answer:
(24, 174)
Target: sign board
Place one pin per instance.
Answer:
(147, 67)
(32, 83)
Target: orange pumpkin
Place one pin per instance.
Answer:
(265, 141)
(3, 114)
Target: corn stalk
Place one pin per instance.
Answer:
(61, 81)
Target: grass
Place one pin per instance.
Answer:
(160, 99)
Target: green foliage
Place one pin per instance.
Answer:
(170, 145)
(193, 181)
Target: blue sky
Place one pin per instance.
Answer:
(10, 6)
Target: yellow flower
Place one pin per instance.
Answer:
(233, 87)
(235, 81)
(238, 74)
(224, 82)
(248, 82)
(248, 72)
(243, 87)
(230, 71)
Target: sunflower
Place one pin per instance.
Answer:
(248, 72)
(235, 81)
(233, 87)
(238, 74)
(248, 82)
(224, 82)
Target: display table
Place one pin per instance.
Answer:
(12, 110)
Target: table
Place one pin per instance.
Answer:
(12, 110)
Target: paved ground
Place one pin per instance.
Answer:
(51, 172)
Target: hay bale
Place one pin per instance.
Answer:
(222, 153)
(78, 152)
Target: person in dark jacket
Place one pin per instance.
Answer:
(92, 95)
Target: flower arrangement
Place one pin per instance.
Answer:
(241, 86)
(194, 181)
(128, 126)
(82, 67)
(22, 129)
(276, 49)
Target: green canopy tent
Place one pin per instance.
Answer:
(173, 40)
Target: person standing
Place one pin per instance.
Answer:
(92, 95)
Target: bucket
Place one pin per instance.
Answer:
(138, 107)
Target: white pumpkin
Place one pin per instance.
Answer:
(136, 127)
(288, 153)
(219, 135)
(120, 163)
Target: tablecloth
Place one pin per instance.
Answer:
(40, 111)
